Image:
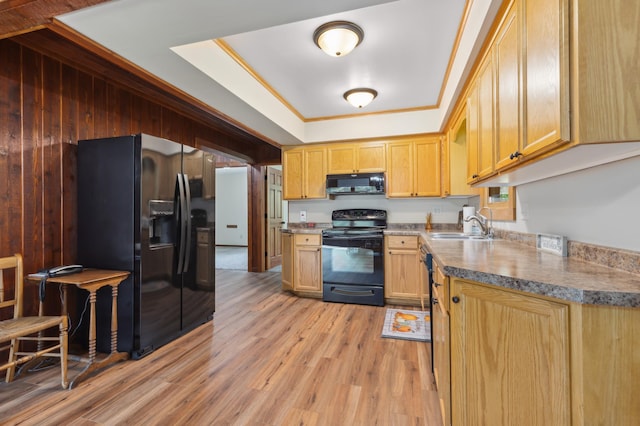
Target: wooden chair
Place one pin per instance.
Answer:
(31, 328)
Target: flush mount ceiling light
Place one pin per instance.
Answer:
(360, 97)
(338, 38)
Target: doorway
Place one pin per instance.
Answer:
(250, 212)
(231, 236)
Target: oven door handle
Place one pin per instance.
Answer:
(352, 293)
(326, 240)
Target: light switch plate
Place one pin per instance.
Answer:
(303, 215)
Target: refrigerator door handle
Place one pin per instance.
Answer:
(181, 226)
(187, 231)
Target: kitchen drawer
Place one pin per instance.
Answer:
(308, 239)
(441, 282)
(402, 242)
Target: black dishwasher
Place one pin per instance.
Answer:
(427, 259)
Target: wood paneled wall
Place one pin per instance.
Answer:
(46, 106)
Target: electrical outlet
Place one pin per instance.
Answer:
(303, 215)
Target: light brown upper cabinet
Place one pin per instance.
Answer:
(304, 170)
(453, 172)
(532, 81)
(363, 157)
(413, 168)
(545, 73)
(507, 105)
(480, 122)
(604, 73)
(566, 74)
(472, 136)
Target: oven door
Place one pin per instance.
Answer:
(353, 260)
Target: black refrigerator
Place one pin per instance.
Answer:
(147, 205)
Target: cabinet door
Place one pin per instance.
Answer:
(511, 363)
(315, 172)
(472, 135)
(441, 354)
(400, 169)
(370, 157)
(341, 158)
(287, 261)
(401, 274)
(308, 269)
(485, 118)
(427, 168)
(292, 163)
(546, 73)
(507, 55)
(456, 159)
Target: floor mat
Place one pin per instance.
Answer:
(407, 325)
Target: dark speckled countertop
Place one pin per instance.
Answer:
(517, 266)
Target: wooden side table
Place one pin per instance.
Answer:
(92, 280)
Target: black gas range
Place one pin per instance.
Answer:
(353, 257)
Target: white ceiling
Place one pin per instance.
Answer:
(282, 86)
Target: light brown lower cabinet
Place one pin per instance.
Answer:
(287, 261)
(302, 264)
(510, 358)
(521, 359)
(402, 263)
(307, 270)
(441, 342)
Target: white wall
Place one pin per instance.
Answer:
(399, 210)
(231, 206)
(599, 206)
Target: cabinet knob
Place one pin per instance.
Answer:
(515, 155)
(434, 301)
(437, 284)
(455, 299)
(474, 176)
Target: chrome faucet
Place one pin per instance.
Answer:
(487, 228)
(490, 226)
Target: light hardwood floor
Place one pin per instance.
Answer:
(268, 358)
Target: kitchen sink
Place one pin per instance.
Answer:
(457, 236)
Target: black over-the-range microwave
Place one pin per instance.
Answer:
(355, 183)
